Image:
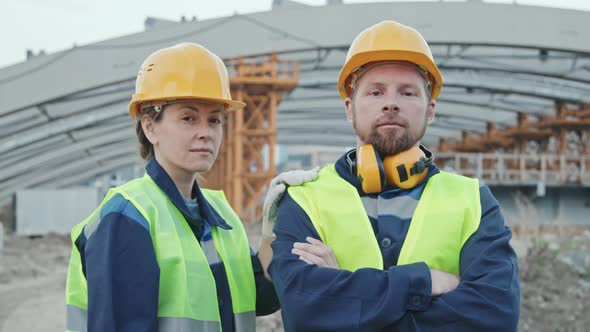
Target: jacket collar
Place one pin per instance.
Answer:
(157, 173)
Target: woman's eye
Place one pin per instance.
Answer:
(375, 93)
(216, 121)
(409, 93)
(187, 118)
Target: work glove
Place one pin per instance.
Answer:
(276, 190)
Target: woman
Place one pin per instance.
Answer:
(160, 253)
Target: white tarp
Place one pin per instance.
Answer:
(43, 211)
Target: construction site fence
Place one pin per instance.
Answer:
(519, 169)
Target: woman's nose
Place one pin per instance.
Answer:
(203, 130)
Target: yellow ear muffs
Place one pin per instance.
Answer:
(369, 169)
(406, 169)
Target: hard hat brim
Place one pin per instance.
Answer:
(230, 105)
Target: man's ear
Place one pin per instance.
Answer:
(148, 125)
(431, 111)
(348, 107)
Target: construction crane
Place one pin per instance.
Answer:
(246, 163)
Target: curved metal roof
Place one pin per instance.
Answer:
(63, 116)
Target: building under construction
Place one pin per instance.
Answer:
(514, 110)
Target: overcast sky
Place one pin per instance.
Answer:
(54, 25)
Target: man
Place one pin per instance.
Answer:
(415, 248)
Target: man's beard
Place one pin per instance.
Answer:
(384, 140)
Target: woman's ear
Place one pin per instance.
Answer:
(148, 125)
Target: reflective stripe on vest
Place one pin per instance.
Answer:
(447, 214)
(174, 324)
(187, 294)
(246, 322)
(77, 318)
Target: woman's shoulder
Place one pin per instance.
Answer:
(119, 207)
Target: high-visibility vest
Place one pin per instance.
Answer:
(187, 295)
(447, 214)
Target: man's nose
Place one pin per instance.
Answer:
(392, 104)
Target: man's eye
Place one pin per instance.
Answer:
(187, 118)
(216, 121)
(375, 93)
(409, 93)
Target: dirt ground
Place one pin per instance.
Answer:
(32, 284)
(555, 281)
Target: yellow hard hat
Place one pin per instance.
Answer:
(389, 41)
(181, 72)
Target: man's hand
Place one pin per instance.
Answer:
(315, 252)
(265, 253)
(443, 282)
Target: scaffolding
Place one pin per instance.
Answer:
(246, 162)
(550, 150)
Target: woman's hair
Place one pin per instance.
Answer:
(146, 149)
